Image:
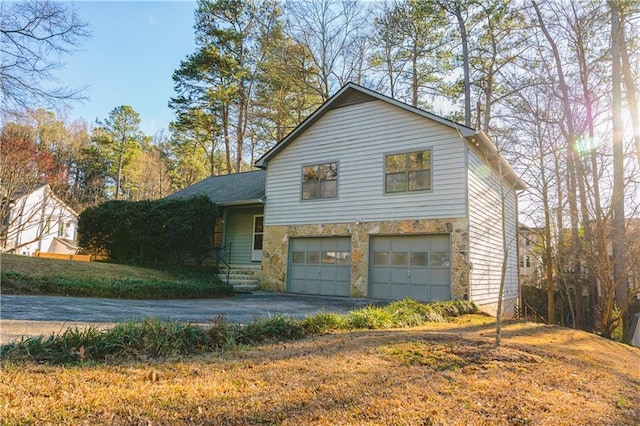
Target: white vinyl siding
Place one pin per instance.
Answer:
(485, 234)
(359, 137)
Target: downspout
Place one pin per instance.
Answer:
(518, 251)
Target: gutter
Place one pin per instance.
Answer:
(261, 200)
(479, 138)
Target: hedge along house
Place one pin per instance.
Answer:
(370, 197)
(240, 201)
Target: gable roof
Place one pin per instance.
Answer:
(226, 190)
(353, 94)
(24, 191)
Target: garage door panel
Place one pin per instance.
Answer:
(343, 273)
(440, 277)
(328, 273)
(344, 244)
(410, 266)
(297, 286)
(399, 291)
(382, 244)
(298, 273)
(328, 288)
(312, 272)
(343, 288)
(440, 243)
(419, 276)
(401, 244)
(320, 266)
(398, 275)
(314, 244)
(420, 292)
(440, 292)
(380, 291)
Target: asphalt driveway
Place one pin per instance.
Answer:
(33, 315)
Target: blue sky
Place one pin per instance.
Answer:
(129, 60)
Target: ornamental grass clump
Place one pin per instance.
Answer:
(323, 322)
(276, 328)
(369, 317)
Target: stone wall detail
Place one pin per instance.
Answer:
(276, 239)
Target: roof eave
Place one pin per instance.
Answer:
(481, 140)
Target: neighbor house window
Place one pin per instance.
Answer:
(320, 181)
(409, 171)
(60, 229)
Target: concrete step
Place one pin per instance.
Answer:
(243, 278)
(244, 288)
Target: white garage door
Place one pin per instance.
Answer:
(416, 266)
(320, 266)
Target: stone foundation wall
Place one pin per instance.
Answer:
(276, 238)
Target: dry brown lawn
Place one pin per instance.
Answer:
(447, 374)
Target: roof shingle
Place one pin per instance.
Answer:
(228, 189)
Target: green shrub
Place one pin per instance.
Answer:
(150, 231)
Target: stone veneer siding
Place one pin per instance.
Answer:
(276, 238)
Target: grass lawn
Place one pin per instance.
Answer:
(441, 373)
(41, 267)
(41, 276)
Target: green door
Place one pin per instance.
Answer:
(320, 266)
(415, 266)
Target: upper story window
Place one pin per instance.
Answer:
(320, 181)
(409, 171)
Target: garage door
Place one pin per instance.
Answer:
(320, 266)
(415, 266)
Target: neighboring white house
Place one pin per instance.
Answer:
(371, 197)
(530, 251)
(37, 220)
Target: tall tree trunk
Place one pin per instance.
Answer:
(414, 79)
(119, 173)
(572, 160)
(225, 134)
(548, 253)
(630, 90)
(465, 63)
(618, 246)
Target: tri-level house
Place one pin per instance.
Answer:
(371, 197)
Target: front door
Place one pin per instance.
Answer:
(258, 232)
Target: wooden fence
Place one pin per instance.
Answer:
(62, 256)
